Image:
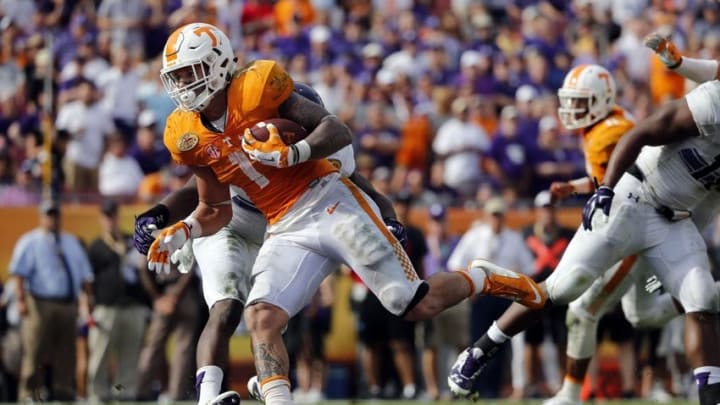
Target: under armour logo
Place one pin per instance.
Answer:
(633, 197)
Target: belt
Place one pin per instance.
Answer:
(635, 171)
(669, 213)
(245, 204)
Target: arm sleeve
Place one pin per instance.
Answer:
(704, 104)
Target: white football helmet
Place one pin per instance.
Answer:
(586, 96)
(198, 61)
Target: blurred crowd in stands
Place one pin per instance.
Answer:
(453, 100)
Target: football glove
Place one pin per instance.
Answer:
(272, 152)
(398, 230)
(664, 48)
(602, 199)
(147, 224)
(167, 242)
(184, 258)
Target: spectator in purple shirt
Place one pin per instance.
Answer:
(148, 150)
(475, 73)
(378, 138)
(509, 156)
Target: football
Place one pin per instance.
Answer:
(290, 131)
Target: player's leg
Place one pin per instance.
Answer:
(682, 265)
(648, 310)
(225, 260)
(582, 320)
(589, 254)
(286, 275)
(362, 241)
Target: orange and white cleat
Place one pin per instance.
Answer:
(501, 282)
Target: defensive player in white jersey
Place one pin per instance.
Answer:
(225, 260)
(677, 173)
(317, 219)
(642, 309)
(587, 105)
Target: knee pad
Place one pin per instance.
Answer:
(582, 335)
(565, 286)
(397, 297)
(654, 316)
(698, 292)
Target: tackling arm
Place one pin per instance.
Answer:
(386, 208)
(214, 209)
(672, 123)
(180, 203)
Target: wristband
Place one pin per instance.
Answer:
(193, 226)
(302, 151)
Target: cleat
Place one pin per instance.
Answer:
(253, 386)
(465, 370)
(226, 398)
(501, 282)
(557, 400)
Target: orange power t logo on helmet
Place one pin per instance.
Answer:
(200, 30)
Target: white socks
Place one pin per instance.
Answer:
(570, 389)
(208, 382)
(276, 392)
(496, 335)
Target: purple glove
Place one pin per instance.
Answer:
(602, 199)
(151, 220)
(398, 230)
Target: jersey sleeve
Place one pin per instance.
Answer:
(704, 104)
(183, 145)
(601, 146)
(265, 85)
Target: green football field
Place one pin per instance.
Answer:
(379, 402)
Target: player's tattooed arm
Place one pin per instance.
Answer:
(326, 133)
(270, 361)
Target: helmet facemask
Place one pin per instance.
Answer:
(578, 108)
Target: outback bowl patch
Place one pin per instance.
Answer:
(187, 142)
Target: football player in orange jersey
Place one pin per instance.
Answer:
(226, 257)
(316, 218)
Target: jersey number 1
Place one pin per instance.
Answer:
(248, 170)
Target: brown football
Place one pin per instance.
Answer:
(290, 131)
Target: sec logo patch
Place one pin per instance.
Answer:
(187, 142)
(212, 151)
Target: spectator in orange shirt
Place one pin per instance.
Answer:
(292, 12)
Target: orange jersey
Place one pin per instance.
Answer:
(600, 140)
(254, 94)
